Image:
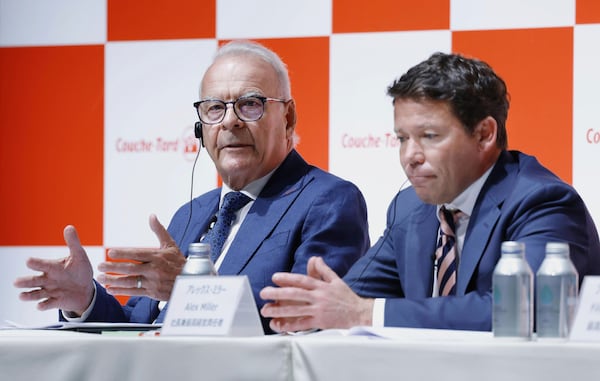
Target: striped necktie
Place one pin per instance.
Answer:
(446, 259)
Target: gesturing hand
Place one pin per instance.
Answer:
(153, 270)
(63, 283)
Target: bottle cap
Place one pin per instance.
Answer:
(513, 247)
(561, 248)
(199, 248)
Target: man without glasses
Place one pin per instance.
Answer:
(449, 116)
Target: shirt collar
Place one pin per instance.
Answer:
(251, 190)
(466, 200)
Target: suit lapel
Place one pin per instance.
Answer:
(420, 246)
(267, 211)
(485, 215)
(476, 241)
(201, 217)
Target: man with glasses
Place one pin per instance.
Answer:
(285, 209)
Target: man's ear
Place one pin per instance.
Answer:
(485, 132)
(290, 116)
(290, 126)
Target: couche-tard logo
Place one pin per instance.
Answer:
(186, 144)
(387, 140)
(592, 136)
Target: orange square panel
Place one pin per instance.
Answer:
(355, 16)
(537, 66)
(161, 19)
(587, 11)
(51, 144)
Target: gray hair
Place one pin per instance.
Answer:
(242, 47)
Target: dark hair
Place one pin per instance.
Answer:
(469, 86)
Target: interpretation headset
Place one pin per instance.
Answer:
(198, 132)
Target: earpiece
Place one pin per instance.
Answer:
(198, 132)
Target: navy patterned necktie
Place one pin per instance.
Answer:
(446, 259)
(232, 202)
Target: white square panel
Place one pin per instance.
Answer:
(149, 118)
(510, 14)
(362, 144)
(273, 18)
(56, 22)
(586, 127)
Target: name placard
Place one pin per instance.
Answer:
(586, 325)
(212, 306)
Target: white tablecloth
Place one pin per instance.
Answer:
(408, 355)
(442, 355)
(65, 356)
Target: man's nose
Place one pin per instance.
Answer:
(413, 153)
(230, 119)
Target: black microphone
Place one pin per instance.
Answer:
(211, 225)
(212, 222)
(385, 236)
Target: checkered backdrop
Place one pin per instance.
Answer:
(96, 101)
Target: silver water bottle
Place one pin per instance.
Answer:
(557, 283)
(512, 283)
(198, 260)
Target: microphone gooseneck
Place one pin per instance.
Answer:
(384, 238)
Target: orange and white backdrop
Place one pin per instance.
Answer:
(96, 98)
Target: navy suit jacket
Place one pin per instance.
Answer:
(520, 201)
(302, 211)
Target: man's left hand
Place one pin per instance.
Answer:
(149, 272)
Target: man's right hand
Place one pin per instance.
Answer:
(65, 283)
(319, 299)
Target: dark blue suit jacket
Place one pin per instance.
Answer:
(302, 211)
(520, 201)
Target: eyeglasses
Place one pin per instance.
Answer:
(247, 108)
